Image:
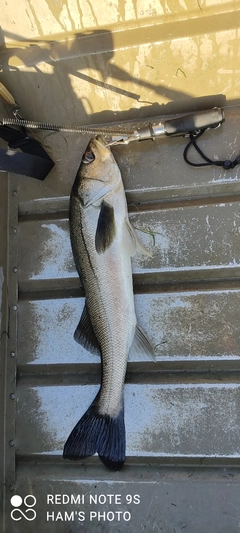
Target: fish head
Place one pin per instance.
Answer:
(97, 154)
(98, 173)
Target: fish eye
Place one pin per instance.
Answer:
(88, 157)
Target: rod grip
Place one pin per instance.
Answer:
(195, 121)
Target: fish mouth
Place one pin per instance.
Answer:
(97, 149)
(101, 146)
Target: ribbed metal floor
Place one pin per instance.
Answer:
(182, 412)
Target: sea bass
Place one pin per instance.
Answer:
(103, 242)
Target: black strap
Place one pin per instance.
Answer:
(227, 164)
(32, 161)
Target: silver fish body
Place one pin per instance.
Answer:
(103, 241)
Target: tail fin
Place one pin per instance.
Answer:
(95, 433)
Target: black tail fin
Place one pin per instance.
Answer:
(95, 433)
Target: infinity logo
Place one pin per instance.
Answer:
(29, 501)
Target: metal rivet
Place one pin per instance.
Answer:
(11, 488)
(14, 307)
(15, 269)
(12, 396)
(11, 443)
(14, 193)
(14, 230)
(12, 354)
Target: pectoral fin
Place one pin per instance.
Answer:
(106, 228)
(133, 242)
(142, 345)
(85, 335)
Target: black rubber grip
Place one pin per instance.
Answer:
(194, 122)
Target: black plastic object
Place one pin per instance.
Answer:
(194, 122)
(32, 161)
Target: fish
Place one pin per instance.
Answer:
(103, 242)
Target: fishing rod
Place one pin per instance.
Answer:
(191, 125)
(183, 125)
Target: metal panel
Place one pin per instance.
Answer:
(183, 409)
(197, 325)
(213, 230)
(162, 420)
(170, 500)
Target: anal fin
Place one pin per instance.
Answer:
(142, 344)
(85, 335)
